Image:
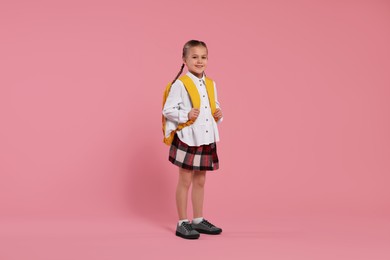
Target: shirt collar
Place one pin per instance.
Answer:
(195, 78)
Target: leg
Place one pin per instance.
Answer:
(184, 183)
(198, 182)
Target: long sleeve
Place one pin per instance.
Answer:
(174, 108)
(218, 105)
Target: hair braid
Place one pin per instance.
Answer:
(178, 74)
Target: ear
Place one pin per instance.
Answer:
(184, 61)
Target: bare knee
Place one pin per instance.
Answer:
(185, 183)
(199, 179)
(185, 178)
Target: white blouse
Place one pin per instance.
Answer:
(177, 106)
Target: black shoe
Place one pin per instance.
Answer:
(206, 227)
(186, 231)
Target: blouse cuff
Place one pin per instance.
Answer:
(183, 116)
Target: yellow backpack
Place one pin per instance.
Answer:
(195, 100)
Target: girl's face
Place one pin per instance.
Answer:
(196, 60)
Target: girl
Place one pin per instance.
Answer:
(193, 148)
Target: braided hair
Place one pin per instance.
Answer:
(187, 46)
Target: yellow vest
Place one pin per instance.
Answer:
(195, 100)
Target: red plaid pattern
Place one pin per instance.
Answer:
(197, 158)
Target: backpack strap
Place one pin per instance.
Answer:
(192, 90)
(211, 94)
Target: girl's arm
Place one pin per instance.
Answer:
(217, 104)
(173, 109)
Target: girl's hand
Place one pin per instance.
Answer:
(193, 114)
(218, 114)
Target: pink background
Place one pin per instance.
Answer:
(304, 87)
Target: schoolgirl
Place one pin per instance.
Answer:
(191, 113)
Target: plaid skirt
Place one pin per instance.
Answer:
(197, 158)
